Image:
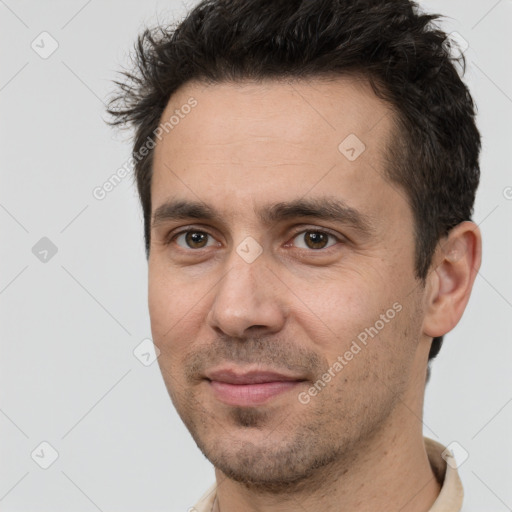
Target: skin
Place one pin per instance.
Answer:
(357, 445)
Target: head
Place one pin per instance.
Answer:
(307, 173)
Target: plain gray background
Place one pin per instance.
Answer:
(71, 321)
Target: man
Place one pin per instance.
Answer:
(307, 172)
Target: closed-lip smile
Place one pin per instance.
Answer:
(234, 386)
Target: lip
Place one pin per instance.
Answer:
(233, 376)
(250, 388)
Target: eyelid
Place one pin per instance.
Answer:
(316, 229)
(171, 237)
(297, 231)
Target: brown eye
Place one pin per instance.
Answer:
(193, 239)
(314, 240)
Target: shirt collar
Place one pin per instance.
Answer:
(445, 468)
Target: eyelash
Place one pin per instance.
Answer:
(338, 239)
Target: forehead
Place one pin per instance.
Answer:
(317, 111)
(275, 139)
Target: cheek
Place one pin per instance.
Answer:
(356, 318)
(339, 307)
(371, 363)
(173, 309)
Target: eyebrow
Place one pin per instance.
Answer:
(322, 208)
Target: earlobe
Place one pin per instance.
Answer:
(455, 265)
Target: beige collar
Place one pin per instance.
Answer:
(451, 496)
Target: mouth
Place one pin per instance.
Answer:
(236, 387)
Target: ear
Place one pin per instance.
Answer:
(451, 277)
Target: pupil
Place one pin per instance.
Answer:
(317, 239)
(196, 239)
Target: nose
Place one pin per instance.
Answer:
(248, 300)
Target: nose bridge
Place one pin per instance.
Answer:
(243, 282)
(246, 297)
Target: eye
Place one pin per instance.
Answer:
(314, 239)
(193, 239)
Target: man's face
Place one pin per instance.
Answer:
(254, 281)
